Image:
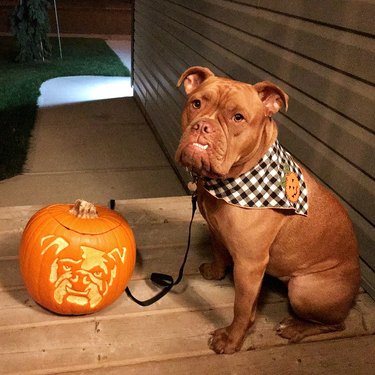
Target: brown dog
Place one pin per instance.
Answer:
(297, 231)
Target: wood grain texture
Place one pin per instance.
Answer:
(171, 335)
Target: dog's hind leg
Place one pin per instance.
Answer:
(295, 329)
(321, 302)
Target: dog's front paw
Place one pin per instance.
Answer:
(222, 343)
(212, 271)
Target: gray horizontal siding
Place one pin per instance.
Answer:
(354, 15)
(321, 53)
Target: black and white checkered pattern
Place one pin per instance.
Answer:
(262, 187)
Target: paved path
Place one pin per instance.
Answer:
(96, 150)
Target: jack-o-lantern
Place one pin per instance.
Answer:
(76, 259)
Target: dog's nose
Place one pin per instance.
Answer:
(202, 126)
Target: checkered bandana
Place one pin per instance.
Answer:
(275, 182)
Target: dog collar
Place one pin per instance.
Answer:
(275, 182)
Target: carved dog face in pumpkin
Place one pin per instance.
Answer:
(81, 277)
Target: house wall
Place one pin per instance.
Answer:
(97, 17)
(320, 52)
(6, 9)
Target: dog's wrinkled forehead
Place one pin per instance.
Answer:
(223, 92)
(199, 79)
(223, 84)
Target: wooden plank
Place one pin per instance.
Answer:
(339, 49)
(78, 342)
(163, 72)
(347, 14)
(181, 56)
(336, 357)
(336, 172)
(19, 311)
(136, 211)
(337, 132)
(194, 293)
(140, 92)
(194, 287)
(366, 238)
(368, 277)
(34, 341)
(162, 120)
(162, 97)
(170, 63)
(129, 326)
(163, 28)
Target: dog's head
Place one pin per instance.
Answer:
(226, 124)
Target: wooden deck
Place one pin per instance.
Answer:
(169, 337)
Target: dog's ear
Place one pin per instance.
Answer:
(272, 97)
(193, 77)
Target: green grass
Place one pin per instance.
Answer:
(20, 83)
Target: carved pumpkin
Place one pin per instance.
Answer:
(76, 259)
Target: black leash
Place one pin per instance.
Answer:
(161, 279)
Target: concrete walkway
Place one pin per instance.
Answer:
(91, 147)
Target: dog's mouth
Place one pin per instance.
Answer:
(197, 157)
(200, 146)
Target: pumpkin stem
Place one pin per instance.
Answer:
(83, 210)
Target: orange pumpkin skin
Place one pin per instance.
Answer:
(292, 187)
(72, 265)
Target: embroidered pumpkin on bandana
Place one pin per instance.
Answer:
(76, 259)
(291, 184)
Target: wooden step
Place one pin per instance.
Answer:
(169, 337)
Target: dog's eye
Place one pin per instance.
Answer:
(238, 117)
(196, 104)
(67, 268)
